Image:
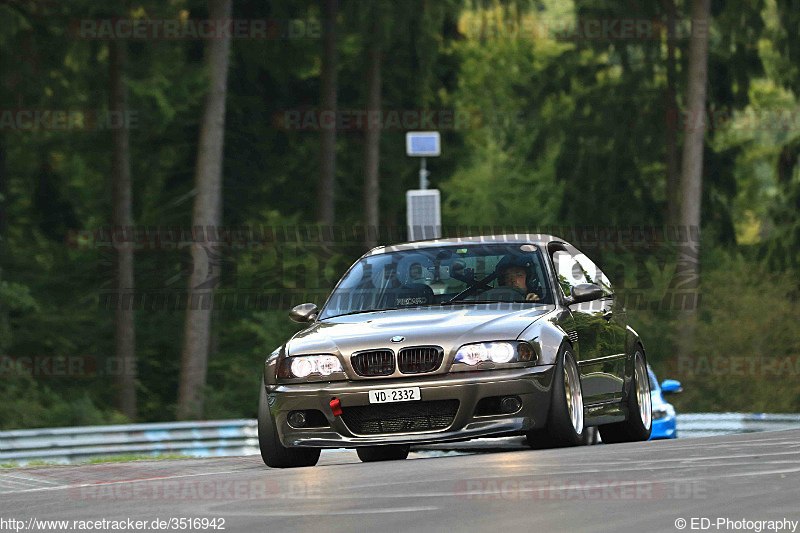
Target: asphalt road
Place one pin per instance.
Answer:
(623, 487)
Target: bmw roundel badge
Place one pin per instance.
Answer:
(398, 338)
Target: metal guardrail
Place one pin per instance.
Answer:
(240, 437)
(711, 424)
(66, 445)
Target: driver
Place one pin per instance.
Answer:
(516, 276)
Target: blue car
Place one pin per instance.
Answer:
(663, 412)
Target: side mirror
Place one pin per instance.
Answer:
(671, 386)
(303, 313)
(585, 292)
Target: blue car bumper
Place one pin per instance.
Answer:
(664, 428)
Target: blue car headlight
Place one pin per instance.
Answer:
(664, 411)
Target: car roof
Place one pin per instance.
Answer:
(511, 238)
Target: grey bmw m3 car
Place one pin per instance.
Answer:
(453, 339)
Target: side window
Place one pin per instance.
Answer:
(575, 268)
(593, 274)
(569, 271)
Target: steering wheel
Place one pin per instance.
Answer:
(480, 284)
(507, 294)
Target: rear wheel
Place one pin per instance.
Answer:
(565, 419)
(640, 411)
(392, 452)
(275, 454)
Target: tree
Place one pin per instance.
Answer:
(372, 149)
(207, 213)
(122, 217)
(692, 169)
(327, 159)
(672, 160)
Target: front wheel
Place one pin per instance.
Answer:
(565, 420)
(591, 436)
(640, 410)
(391, 452)
(275, 454)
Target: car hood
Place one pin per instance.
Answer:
(448, 327)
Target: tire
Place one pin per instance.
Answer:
(590, 436)
(275, 454)
(539, 439)
(640, 410)
(391, 452)
(565, 419)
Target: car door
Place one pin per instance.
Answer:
(600, 336)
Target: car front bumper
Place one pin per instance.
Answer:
(532, 385)
(664, 428)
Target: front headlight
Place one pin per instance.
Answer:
(302, 366)
(664, 411)
(658, 414)
(495, 352)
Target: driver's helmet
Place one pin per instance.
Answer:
(523, 261)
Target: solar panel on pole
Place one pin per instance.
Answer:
(423, 207)
(423, 214)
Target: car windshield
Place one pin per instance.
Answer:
(442, 275)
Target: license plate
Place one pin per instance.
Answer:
(394, 395)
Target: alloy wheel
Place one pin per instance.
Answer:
(643, 391)
(572, 389)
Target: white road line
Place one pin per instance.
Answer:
(517, 490)
(551, 475)
(7, 483)
(138, 480)
(4, 475)
(592, 458)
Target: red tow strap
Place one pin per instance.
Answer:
(336, 407)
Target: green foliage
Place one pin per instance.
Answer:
(747, 318)
(31, 403)
(508, 174)
(126, 458)
(14, 298)
(561, 132)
